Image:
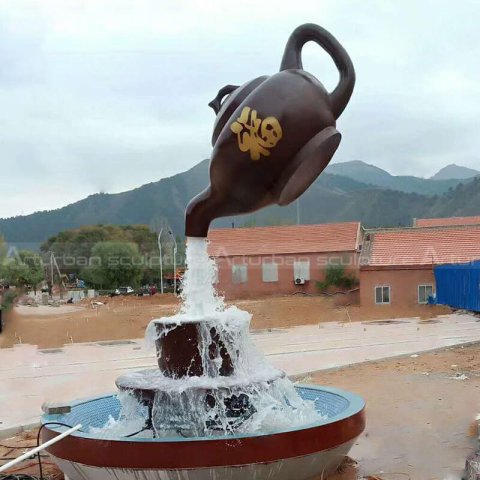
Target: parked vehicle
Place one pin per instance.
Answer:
(126, 290)
(144, 291)
(147, 290)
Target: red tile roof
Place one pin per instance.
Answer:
(422, 246)
(441, 222)
(331, 237)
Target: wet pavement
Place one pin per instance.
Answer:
(29, 376)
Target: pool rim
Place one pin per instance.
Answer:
(182, 454)
(356, 405)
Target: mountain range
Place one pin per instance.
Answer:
(447, 177)
(344, 192)
(455, 171)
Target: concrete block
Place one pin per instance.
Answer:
(56, 408)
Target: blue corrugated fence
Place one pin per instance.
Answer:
(458, 285)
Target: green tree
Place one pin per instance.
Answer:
(3, 249)
(73, 248)
(114, 264)
(24, 269)
(3, 255)
(7, 299)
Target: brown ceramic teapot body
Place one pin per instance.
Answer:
(273, 135)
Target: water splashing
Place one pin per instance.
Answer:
(226, 386)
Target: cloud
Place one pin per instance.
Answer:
(105, 96)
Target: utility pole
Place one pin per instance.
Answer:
(53, 263)
(51, 273)
(174, 259)
(298, 211)
(174, 262)
(161, 261)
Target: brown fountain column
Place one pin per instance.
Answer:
(179, 349)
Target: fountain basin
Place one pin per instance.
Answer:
(199, 395)
(297, 454)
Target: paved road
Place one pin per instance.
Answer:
(29, 377)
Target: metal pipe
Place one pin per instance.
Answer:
(51, 273)
(161, 262)
(175, 269)
(41, 447)
(174, 262)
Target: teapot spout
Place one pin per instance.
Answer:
(200, 212)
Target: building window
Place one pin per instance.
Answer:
(301, 270)
(269, 272)
(382, 294)
(424, 291)
(239, 274)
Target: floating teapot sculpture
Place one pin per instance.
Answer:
(273, 135)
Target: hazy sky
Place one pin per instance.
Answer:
(108, 95)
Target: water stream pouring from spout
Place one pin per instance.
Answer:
(198, 294)
(226, 385)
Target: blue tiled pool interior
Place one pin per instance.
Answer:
(95, 412)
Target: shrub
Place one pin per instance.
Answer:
(335, 276)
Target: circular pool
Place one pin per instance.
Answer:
(296, 454)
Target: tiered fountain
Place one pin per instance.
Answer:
(215, 409)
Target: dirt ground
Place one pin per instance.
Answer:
(14, 447)
(420, 416)
(126, 317)
(421, 413)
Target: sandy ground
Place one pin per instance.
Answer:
(46, 310)
(126, 317)
(420, 412)
(420, 415)
(14, 447)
